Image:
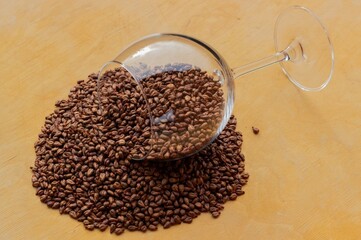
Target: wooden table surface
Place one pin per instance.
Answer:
(305, 165)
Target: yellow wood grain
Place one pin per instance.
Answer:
(304, 166)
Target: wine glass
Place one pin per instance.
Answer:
(303, 50)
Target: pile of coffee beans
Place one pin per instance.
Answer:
(84, 164)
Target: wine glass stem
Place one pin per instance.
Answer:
(261, 63)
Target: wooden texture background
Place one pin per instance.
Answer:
(305, 165)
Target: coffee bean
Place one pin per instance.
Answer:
(89, 172)
(188, 220)
(112, 228)
(102, 176)
(69, 181)
(102, 227)
(255, 130)
(72, 214)
(233, 196)
(84, 166)
(150, 211)
(239, 192)
(215, 214)
(167, 225)
(152, 227)
(198, 205)
(90, 227)
(132, 228)
(119, 231)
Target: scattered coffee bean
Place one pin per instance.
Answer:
(255, 130)
(83, 163)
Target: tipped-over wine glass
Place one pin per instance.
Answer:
(188, 88)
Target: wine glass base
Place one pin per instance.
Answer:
(300, 34)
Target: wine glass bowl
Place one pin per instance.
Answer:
(194, 93)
